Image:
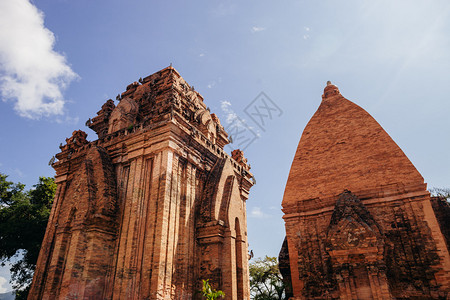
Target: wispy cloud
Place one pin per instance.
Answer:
(224, 8)
(257, 29)
(230, 115)
(68, 120)
(32, 74)
(306, 34)
(257, 212)
(213, 83)
(240, 134)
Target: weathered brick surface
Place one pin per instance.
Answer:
(285, 269)
(151, 207)
(359, 222)
(343, 147)
(442, 210)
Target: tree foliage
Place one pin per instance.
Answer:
(441, 192)
(209, 293)
(23, 219)
(266, 281)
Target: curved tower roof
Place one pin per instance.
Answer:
(343, 147)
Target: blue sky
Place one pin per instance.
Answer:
(61, 60)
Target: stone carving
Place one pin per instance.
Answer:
(238, 155)
(352, 226)
(77, 140)
(355, 245)
(123, 116)
(100, 123)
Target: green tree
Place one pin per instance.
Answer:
(209, 293)
(23, 219)
(266, 281)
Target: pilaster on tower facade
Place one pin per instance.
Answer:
(359, 221)
(151, 207)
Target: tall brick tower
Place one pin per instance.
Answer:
(152, 207)
(359, 222)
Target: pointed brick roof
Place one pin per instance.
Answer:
(343, 147)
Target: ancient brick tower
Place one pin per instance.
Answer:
(359, 222)
(151, 207)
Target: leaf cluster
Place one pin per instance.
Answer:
(209, 293)
(23, 219)
(266, 281)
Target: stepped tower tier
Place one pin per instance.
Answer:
(151, 207)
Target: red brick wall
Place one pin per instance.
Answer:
(149, 209)
(388, 244)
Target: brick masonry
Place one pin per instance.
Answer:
(359, 221)
(151, 207)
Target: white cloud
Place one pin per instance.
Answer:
(258, 29)
(201, 54)
(256, 212)
(230, 115)
(32, 73)
(3, 281)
